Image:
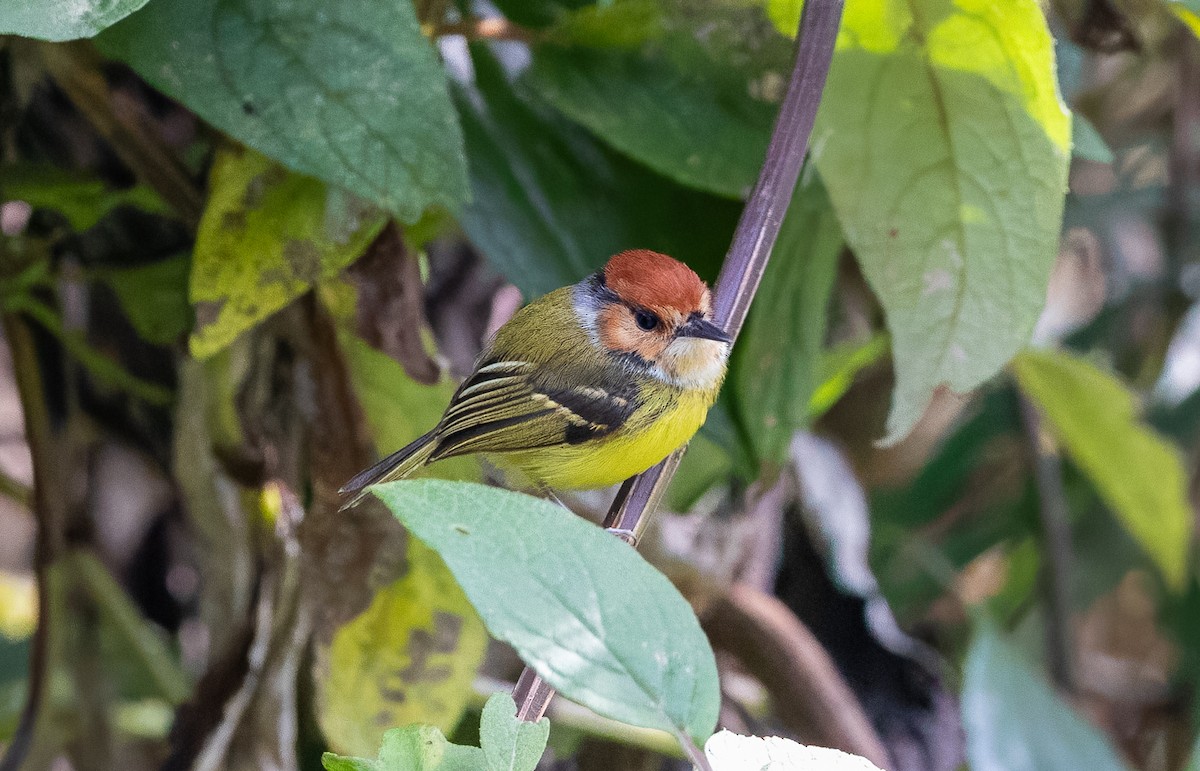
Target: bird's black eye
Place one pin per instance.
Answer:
(646, 320)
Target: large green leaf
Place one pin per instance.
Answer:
(408, 658)
(581, 607)
(776, 366)
(348, 92)
(1137, 473)
(550, 205)
(267, 235)
(697, 125)
(1014, 722)
(63, 19)
(944, 146)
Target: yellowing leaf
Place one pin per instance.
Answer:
(18, 605)
(1190, 18)
(1137, 473)
(944, 146)
(266, 236)
(408, 658)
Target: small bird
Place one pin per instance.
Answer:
(585, 386)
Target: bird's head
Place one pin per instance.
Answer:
(657, 312)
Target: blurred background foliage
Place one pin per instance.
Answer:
(943, 514)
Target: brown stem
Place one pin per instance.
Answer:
(48, 513)
(486, 29)
(1056, 546)
(743, 269)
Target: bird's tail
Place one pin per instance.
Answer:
(398, 465)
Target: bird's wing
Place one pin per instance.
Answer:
(514, 405)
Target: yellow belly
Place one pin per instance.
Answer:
(612, 459)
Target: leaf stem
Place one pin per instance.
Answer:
(743, 268)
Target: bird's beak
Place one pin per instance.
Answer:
(703, 329)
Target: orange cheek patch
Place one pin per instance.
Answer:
(619, 332)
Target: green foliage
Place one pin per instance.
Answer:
(408, 658)
(1188, 12)
(415, 748)
(1138, 473)
(647, 106)
(550, 205)
(509, 744)
(154, 298)
(944, 146)
(267, 236)
(348, 92)
(63, 19)
(557, 589)
(305, 127)
(1015, 722)
(82, 200)
(776, 369)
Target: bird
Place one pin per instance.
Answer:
(585, 386)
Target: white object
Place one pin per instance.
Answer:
(727, 751)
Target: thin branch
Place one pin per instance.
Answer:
(15, 489)
(40, 435)
(75, 68)
(743, 269)
(1056, 546)
(486, 29)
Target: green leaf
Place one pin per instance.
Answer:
(348, 92)
(266, 237)
(140, 645)
(82, 200)
(1014, 722)
(621, 24)
(944, 145)
(651, 108)
(1139, 474)
(1086, 142)
(706, 463)
(581, 607)
(1187, 11)
(550, 205)
(63, 19)
(509, 743)
(155, 298)
(414, 748)
(776, 365)
(785, 15)
(839, 366)
(410, 657)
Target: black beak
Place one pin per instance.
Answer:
(703, 329)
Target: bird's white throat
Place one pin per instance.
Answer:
(692, 362)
